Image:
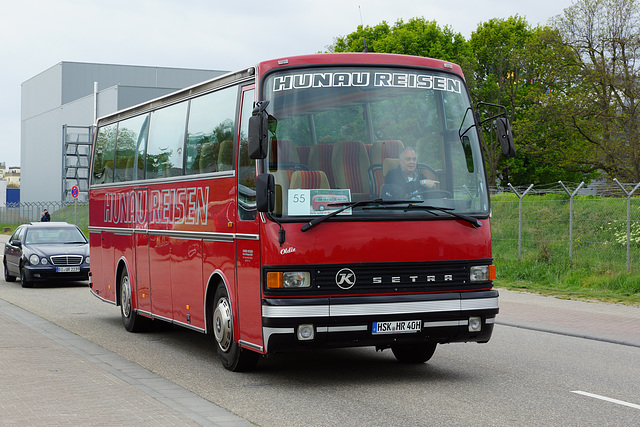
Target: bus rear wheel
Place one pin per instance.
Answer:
(232, 356)
(414, 353)
(132, 321)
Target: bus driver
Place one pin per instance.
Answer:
(405, 180)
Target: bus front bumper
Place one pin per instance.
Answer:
(381, 321)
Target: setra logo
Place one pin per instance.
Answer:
(345, 278)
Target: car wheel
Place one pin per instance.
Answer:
(414, 353)
(23, 279)
(232, 356)
(8, 277)
(132, 321)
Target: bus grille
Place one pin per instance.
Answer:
(66, 259)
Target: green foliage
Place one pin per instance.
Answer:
(597, 268)
(417, 37)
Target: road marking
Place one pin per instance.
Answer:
(607, 399)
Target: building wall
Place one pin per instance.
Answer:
(63, 95)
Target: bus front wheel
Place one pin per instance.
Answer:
(414, 353)
(232, 356)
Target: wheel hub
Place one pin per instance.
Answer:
(223, 325)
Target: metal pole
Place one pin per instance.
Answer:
(628, 220)
(571, 215)
(520, 216)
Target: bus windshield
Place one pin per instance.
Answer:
(349, 134)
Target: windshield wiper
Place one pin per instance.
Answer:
(348, 205)
(473, 221)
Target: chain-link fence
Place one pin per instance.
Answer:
(24, 212)
(598, 225)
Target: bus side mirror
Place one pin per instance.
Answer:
(265, 192)
(505, 137)
(259, 132)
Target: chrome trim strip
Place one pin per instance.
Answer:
(379, 309)
(102, 299)
(395, 308)
(347, 328)
(251, 345)
(479, 304)
(267, 332)
(295, 311)
(490, 320)
(191, 235)
(188, 326)
(181, 178)
(445, 323)
(247, 236)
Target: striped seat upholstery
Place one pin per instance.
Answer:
(350, 165)
(380, 151)
(320, 159)
(309, 180)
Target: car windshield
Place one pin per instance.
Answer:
(349, 134)
(54, 235)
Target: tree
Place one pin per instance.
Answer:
(604, 89)
(417, 37)
(499, 48)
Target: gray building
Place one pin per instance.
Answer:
(59, 108)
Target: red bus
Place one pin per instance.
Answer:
(201, 209)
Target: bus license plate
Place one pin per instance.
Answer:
(397, 327)
(68, 269)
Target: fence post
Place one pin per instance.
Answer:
(520, 217)
(628, 220)
(571, 215)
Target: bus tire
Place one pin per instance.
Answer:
(414, 353)
(132, 321)
(232, 356)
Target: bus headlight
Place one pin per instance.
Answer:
(288, 279)
(482, 273)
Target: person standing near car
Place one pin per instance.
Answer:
(45, 217)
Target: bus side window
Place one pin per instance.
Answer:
(166, 141)
(210, 132)
(132, 135)
(104, 155)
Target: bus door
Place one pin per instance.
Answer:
(141, 245)
(247, 235)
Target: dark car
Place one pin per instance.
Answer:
(43, 251)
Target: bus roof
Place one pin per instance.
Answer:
(358, 59)
(266, 66)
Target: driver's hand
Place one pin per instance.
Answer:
(429, 183)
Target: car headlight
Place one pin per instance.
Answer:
(44, 261)
(288, 279)
(87, 260)
(34, 259)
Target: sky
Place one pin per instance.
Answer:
(204, 34)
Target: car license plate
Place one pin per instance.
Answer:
(397, 327)
(68, 269)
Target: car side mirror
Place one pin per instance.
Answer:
(265, 192)
(16, 243)
(505, 137)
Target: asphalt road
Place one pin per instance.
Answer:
(521, 377)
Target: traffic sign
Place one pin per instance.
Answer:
(74, 191)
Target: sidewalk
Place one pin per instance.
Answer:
(613, 323)
(51, 376)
